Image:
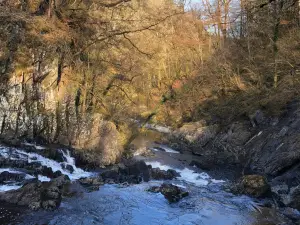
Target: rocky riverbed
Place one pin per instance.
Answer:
(163, 188)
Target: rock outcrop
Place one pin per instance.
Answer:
(133, 172)
(253, 185)
(37, 195)
(171, 192)
(158, 174)
(100, 142)
(257, 144)
(92, 183)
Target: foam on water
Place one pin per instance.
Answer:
(38, 147)
(133, 205)
(43, 178)
(179, 185)
(168, 149)
(27, 176)
(154, 149)
(69, 159)
(78, 173)
(187, 175)
(34, 157)
(158, 128)
(156, 164)
(7, 187)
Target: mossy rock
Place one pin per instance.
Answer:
(253, 185)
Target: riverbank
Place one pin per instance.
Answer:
(199, 165)
(117, 194)
(254, 145)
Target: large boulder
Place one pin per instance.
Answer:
(91, 183)
(111, 176)
(197, 132)
(281, 193)
(158, 174)
(274, 155)
(253, 185)
(133, 172)
(237, 134)
(275, 148)
(142, 151)
(203, 163)
(7, 176)
(171, 192)
(100, 141)
(37, 195)
(139, 169)
(295, 197)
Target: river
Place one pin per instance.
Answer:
(208, 203)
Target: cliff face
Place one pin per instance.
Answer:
(259, 144)
(262, 145)
(47, 112)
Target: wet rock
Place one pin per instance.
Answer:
(295, 197)
(257, 118)
(110, 174)
(52, 153)
(50, 204)
(57, 173)
(87, 159)
(133, 172)
(290, 178)
(47, 171)
(204, 164)
(70, 168)
(158, 174)
(46, 195)
(154, 189)
(11, 177)
(60, 181)
(171, 192)
(139, 169)
(253, 185)
(281, 194)
(291, 213)
(91, 183)
(198, 151)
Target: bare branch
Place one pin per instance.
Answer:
(140, 51)
(113, 4)
(122, 33)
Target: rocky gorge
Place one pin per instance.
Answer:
(264, 151)
(256, 156)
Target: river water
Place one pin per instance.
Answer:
(207, 203)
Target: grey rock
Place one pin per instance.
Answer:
(46, 195)
(283, 131)
(253, 185)
(295, 197)
(171, 192)
(158, 174)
